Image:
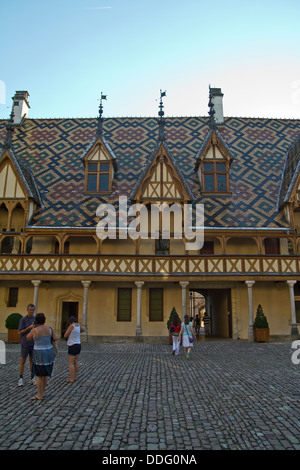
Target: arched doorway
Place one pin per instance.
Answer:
(68, 309)
(217, 304)
(67, 305)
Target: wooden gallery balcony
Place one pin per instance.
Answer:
(104, 266)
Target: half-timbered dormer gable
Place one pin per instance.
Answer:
(18, 193)
(161, 179)
(213, 162)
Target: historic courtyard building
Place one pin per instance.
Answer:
(60, 177)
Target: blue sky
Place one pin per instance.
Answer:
(66, 52)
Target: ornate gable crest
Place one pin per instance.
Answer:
(161, 179)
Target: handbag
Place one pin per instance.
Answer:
(191, 338)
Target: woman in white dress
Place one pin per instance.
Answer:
(187, 332)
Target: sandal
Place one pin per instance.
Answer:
(70, 381)
(36, 398)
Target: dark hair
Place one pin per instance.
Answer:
(176, 320)
(186, 319)
(30, 305)
(40, 319)
(72, 319)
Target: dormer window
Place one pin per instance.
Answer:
(215, 176)
(100, 167)
(99, 161)
(98, 176)
(212, 164)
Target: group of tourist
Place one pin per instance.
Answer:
(186, 332)
(38, 341)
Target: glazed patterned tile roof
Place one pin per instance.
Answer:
(290, 172)
(52, 150)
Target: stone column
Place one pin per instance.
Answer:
(86, 285)
(36, 294)
(183, 285)
(139, 285)
(250, 308)
(294, 328)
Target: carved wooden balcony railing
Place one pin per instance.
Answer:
(206, 265)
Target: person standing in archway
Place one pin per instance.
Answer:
(197, 325)
(206, 321)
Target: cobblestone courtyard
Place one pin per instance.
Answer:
(136, 396)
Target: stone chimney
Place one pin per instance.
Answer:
(20, 107)
(216, 98)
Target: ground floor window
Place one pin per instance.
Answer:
(124, 304)
(156, 304)
(13, 296)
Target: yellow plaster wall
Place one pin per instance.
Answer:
(241, 246)
(43, 245)
(171, 298)
(82, 245)
(102, 306)
(25, 297)
(275, 301)
(102, 316)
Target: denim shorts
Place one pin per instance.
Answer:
(74, 350)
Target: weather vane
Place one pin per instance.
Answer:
(100, 118)
(161, 122)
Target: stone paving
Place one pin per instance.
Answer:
(231, 395)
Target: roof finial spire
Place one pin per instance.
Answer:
(161, 122)
(9, 131)
(212, 122)
(100, 117)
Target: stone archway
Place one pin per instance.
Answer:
(69, 296)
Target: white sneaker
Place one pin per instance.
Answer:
(33, 381)
(21, 382)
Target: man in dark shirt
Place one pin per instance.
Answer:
(25, 326)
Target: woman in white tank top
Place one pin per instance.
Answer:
(74, 347)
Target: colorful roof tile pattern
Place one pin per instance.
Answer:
(52, 150)
(290, 173)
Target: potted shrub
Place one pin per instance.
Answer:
(172, 315)
(12, 325)
(261, 331)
